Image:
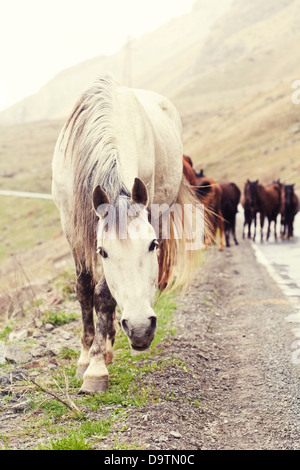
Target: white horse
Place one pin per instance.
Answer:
(120, 149)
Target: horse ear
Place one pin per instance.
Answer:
(99, 199)
(139, 193)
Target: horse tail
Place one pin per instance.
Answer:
(180, 254)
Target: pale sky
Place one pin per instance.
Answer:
(39, 38)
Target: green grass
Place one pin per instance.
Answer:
(5, 332)
(58, 318)
(63, 429)
(25, 222)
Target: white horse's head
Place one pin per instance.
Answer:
(127, 244)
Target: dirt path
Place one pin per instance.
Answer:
(243, 373)
(237, 386)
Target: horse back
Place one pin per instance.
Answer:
(231, 194)
(272, 197)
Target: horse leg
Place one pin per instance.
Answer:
(233, 231)
(222, 230)
(249, 229)
(95, 378)
(227, 234)
(269, 228)
(254, 236)
(262, 220)
(291, 229)
(275, 229)
(85, 294)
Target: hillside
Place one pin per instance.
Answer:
(228, 70)
(257, 138)
(232, 87)
(146, 58)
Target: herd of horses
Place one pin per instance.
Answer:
(222, 200)
(118, 155)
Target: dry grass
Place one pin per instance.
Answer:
(250, 138)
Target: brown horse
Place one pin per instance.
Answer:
(271, 204)
(188, 170)
(290, 205)
(210, 193)
(231, 195)
(263, 199)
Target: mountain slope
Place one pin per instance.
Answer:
(231, 83)
(144, 57)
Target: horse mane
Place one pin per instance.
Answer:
(178, 265)
(94, 153)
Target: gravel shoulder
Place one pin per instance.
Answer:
(233, 337)
(234, 384)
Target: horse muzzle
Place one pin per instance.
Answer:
(140, 334)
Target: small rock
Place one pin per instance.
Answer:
(33, 365)
(53, 361)
(37, 333)
(19, 407)
(5, 379)
(16, 355)
(52, 364)
(175, 434)
(34, 374)
(54, 350)
(18, 335)
(49, 327)
(66, 335)
(38, 351)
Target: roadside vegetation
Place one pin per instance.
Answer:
(58, 417)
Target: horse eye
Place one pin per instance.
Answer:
(102, 252)
(154, 244)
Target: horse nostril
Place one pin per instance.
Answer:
(153, 323)
(125, 326)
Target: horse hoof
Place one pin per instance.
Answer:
(94, 385)
(81, 368)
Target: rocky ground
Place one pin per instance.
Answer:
(239, 388)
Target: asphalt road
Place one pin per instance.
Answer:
(282, 260)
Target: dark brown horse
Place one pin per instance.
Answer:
(252, 205)
(231, 195)
(264, 200)
(289, 207)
